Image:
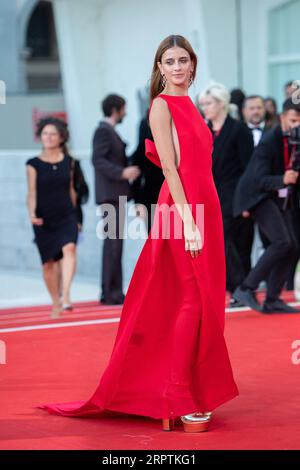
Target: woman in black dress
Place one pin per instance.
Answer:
(51, 203)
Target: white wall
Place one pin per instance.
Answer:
(255, 44)
(115, 52)
(16, 130)
(17, 250)
(109, 46)
(9, 58)
(20, 4)
(221, 35)
(219, 20)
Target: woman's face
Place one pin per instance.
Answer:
(50, 137)
(270, 108)
(177, 66)
(211, 107)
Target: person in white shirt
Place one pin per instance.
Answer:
(254, 113)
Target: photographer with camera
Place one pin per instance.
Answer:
(267, 192)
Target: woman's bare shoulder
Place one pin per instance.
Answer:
(159, 109)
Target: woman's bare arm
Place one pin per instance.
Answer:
(161, 126)
(160, 122)
(73, 193)
(31, 195)
(31, 192)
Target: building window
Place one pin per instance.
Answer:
(283, 47)
(43, 68)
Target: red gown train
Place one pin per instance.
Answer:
(170, 356)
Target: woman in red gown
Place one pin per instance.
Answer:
(170, 359)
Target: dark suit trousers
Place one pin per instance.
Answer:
(238, 235)
(296, 221)
(112, 253)
(244, 236)
(274, 265)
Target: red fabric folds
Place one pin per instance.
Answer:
(170, 356)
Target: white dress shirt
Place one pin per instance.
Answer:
(257, 131)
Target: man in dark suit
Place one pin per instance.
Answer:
(262, 192)
(112, 185)
(254, 112)
(145, 189)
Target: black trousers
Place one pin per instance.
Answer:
(112, 283)
(238, 235)
(282, 251)
(296, 222)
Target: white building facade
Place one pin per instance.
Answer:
(98, 47)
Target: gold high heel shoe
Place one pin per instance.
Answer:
(194, 422)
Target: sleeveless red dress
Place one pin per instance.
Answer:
(169, 357)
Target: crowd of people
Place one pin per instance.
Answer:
(255, 173)
(257, 184)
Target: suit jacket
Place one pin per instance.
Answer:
(264, 175)
(231, 154)
(109, 159)
(146, 188)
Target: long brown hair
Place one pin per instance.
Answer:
(170, 41)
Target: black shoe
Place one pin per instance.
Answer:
(118, 300)
(103, 301)
(246, 297)
(235, 303)
(278, 306)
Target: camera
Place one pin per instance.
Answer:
(294, 140)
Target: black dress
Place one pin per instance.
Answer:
(54, 206)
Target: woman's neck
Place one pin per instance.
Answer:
(218, 122)
(52, 154)
(176, 91)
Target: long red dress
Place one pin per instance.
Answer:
(169, 357)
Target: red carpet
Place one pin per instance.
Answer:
(64, 363)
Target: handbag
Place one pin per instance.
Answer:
(80, 184)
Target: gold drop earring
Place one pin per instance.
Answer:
(191, 79)
(163, 81)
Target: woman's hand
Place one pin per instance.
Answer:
(36, 220)
(141, 211)
(193, 239)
